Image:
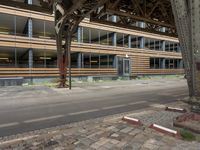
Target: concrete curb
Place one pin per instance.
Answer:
(179, 121)
(132, 121)
(165, 130)
(174, 109)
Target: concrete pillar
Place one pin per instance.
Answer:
(163, 43)
(163, 64)
(79, 35)
(30, 28)
(142, 42)
(79, 63)
(115, 62)
(114, 39)
(30, 35)
(163, 29)
(114, 36)
(30, 58)
(142, 39)
(114, 18)
(30, 2)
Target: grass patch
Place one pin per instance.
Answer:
(187, 135)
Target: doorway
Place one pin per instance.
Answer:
(124, 66)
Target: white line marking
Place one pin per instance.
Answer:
(43, 119)
(157, 105)
(17, 140)
(9, 124)
(116, 106)
(135, 103)
(83, 112)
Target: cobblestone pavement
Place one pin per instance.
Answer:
(102, 134)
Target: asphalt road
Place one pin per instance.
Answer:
(27, 109)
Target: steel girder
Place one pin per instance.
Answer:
(187, 15)
(69, 13)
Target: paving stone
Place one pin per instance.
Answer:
(126, 130)
(95, 146)
(102, 148)
(108, 145)
(121, 144)
(136, 146)
(114, 135)
(86, 141)
(134, 132)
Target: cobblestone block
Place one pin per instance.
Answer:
(126, 130)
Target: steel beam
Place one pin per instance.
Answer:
(68, 14)
(187, 15)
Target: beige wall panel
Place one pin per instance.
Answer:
(25, 13)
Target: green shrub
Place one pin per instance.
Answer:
(186, 135)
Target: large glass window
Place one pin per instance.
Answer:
(95, 61)
(111, 38)
(126, 40)
(21, 26)
(152, 62)
(111, 62)
(156, 63)
(173, 64)
(8, 57)
(7, 24)
(104, 61)
(158, 45)
(44, 59)
(86, 60)
(95, 36)
(135, 41)
(74, 60)
(104, 37)
(86, 35)
(172, 47)
(120, 39)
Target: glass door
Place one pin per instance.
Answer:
(126, 67)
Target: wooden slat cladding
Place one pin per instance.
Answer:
(85, 23)
(49, 44)
(158, 72)
(53, 72)
(95, 25)
(25, 13)
(140, 58)
(25, 42)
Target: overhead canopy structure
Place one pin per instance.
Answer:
(178, 17)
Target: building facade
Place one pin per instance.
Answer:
(28, 47)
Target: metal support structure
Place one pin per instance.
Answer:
(68, 15)
(182, 19)
(162, 13)
(187, 15)
(30, 58)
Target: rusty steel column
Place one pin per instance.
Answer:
(187, 14)
(182, 20)
(68, 15)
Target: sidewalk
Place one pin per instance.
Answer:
(103, 134)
